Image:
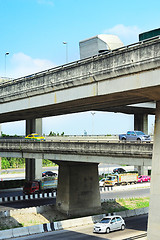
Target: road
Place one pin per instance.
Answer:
(134, 226)
(142, 192)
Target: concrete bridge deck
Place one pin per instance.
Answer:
(75, 151)
(125, 76)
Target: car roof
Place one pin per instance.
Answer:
(112, 216)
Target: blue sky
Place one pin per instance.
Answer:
(33, 31)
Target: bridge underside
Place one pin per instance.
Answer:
(46, 106)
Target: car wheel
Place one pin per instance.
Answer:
(148, 180)
(107, 230)
(141, 181)
(123, 140)
(122, 227)
(138, 140)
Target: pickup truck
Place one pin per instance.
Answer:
(135, 136)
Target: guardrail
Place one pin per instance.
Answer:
(68, 224)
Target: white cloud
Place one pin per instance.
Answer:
(22, 65)
(127, 34)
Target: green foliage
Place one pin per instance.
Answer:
(12, 162)
(56, 134)
(47, 163)
(6, 135)
(7, 162)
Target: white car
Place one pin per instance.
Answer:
(109, 223)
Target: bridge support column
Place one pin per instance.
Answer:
(154, 209)
(78, 189)
(141, 122)
(33, 168)
(142, 170)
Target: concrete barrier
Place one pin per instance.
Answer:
(6, 234)
(122, 214)
(65, 224)
(35, 229)
(139, 211)
(130, 213)
(22, 231)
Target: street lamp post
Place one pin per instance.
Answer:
(7, 53)
(66, 51)
(93, 113)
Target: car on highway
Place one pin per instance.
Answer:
(138, 136)
(109, 223)
(143, 178)
(35, 136)
(119, 170)
(49, 174)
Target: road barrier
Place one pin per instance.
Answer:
(66, 224)
(28, 197)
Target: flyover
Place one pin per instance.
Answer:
(125, 76)
(81, 152)
(118, 78)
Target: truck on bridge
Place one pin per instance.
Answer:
(119, 179)
(135, 136)
(47, 184)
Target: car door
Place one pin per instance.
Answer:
(119, 222)
(113, 224)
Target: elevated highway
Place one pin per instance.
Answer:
(81, 152)
(125, 76)
(129, 75)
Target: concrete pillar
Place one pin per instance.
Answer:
(142, 170)
(78, 189)
(154, 209)
(34, 126)
(33, 168)
(141, 122)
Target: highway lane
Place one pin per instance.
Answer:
(143, 192)
(134, 226)
(120, 192)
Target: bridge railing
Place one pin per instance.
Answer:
(81, 61)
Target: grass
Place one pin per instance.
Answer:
(28, 219)
(125, 204)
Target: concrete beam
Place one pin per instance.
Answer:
(118, 153)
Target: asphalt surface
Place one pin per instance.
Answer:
(128, 193)
(134, 226)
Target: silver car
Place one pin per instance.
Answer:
(109, 223)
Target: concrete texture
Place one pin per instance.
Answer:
(97, 152)
(123, 77)
(80, 194)
(154, 210)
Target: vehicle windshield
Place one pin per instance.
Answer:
(105, 220)
(36, 135)
(140, 133)
(110, 178)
